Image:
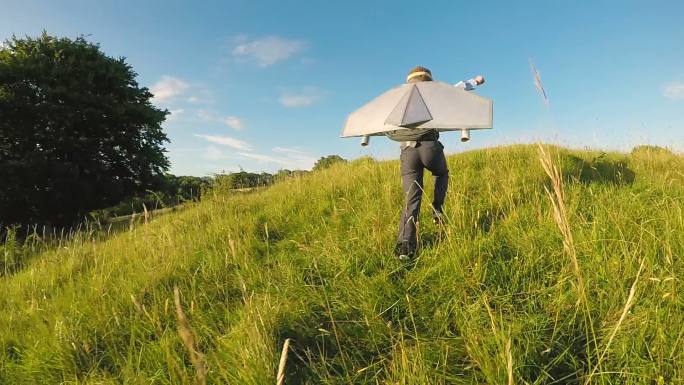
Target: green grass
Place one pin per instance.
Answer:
(310, 259)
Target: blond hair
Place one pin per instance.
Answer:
(419, 74)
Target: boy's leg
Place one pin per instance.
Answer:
(432, 156)
(412, 181)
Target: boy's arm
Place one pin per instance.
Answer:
(470, 84)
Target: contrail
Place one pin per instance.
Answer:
(538, 83)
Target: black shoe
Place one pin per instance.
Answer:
(404, 251)
(438, 218)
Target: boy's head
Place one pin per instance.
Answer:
(419, 74)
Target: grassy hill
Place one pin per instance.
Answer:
(577, 285)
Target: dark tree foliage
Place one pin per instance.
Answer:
(327, 161)
(182, 188)
(168, 191)
(244, 179)
(77, 132)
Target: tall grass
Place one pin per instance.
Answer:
(554, 268)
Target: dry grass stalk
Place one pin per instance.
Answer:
(509, 361)
(491, 315)
(283, 362)
(625, 310)
(538, 83)
(557, 198)
(231, 244)
(507, 344)
(146, 214)
(188, 339)
(137, 304)
(131, 224)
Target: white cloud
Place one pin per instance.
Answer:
(234, 122)
(207, 115)
(288, 158)
(294, 101)
(226, 141)
(168, 88)
(294, 154)
(231, 121)
(304, 98)
(173, 114)
(674, 90)
(261, 157)
(286, 150)
(213, 153)
(268, 50)
(174, 92)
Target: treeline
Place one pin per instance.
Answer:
(246, 180)
(167, 191)
(171, 190)
(243, 179)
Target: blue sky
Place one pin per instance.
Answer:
(264, 85)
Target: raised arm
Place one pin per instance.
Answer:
(471, 84)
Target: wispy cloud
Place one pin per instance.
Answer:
(171, 91)
(200, 94)
(213, 153)
(212, 116)
(294, 101)
(234, 122)
(168, 88)
(268, 50)
(173, 114)
(226, 141)
(674, 90)
(207, 115)
(261, 157)
(290, 151)
(303, 98)
(297, 155)
(293, 159)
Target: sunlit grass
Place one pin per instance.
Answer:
(499, 298)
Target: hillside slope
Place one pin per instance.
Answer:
(496, 299)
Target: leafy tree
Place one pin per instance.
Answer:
(244, 179)
(285, 173)
(169, 190)
(181, 188)
(77, 132)
(327, 161)
(282, 174)
(650, 149)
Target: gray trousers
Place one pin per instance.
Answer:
(426, 155)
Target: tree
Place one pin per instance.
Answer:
(244, 179)
(77, 132)
(175, 189)
(327, 161)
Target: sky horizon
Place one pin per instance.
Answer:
(262, 86)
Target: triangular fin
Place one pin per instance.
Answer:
(416, 110)
(410, 110)
(397, 114)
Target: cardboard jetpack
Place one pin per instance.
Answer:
(422, 105)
